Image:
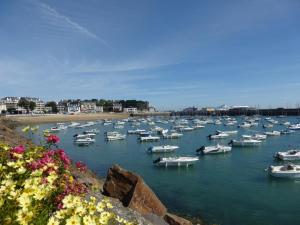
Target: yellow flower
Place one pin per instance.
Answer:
(88, 220)
(73, 220)
(68, 201)
(53, 221)
(21, 170)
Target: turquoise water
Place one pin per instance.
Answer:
(231, 189)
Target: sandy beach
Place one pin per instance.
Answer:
(54, 118)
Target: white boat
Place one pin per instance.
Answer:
(175, 161)
(268, 125)
(162, 148)
(218, 136)
(245, 125)
(295, 127)
(137, 131)
(215, 149)
(107, 123)
(285, 171)
(173, 135)
(273, 133)
(84, 141)
(229, 132)
(58, 128)
(118, 126)
(82, 136)
(288, 155)
(115, 137)
(149, 138)
(245, 142)
(74, 124)
(255, 136)
(198, 126)
(287, 131)
(93, 131)
(182, 129)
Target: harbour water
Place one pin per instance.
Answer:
(227, 189)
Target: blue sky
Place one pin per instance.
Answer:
(173, 53)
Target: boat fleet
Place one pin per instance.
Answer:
(153, 129)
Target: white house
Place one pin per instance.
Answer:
(130, 110)
(2, 107)
(73, 108)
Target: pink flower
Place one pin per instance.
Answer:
(81, 166)
(19, 149)
(53, 139)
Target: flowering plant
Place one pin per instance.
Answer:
(37, 187)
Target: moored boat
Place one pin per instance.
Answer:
(162, 148)
(285, 171)
(216, 149)
(245, 142)
(175, 161)
(288, 155)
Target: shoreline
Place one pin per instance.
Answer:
(55, 118)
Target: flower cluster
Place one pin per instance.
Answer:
(81, 166)
(37, 187)
(52, 139)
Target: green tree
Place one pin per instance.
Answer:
(32, 105)
(24, 103)
(53, 106)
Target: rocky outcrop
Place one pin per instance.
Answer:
(176, 220)
(132, 191)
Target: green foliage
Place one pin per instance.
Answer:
(53, 105)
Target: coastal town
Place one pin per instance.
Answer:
(33, 105)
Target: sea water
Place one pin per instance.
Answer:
(228, 189)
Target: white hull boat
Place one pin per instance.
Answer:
(172, 135)
(285, 171)
(149, 138)
(288, 155)
(176, 161)
(218, 136)
(84, 141)
(217, 149)
(245, 143)
(116, 137)
(273, 133)
(162, 149)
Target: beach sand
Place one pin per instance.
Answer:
(54, 118)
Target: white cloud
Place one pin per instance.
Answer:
(57, 19)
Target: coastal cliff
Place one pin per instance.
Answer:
(131, 197)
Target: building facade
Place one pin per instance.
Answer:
(130, 110)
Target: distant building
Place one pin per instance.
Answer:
(223, 108)
(117, 107)
(40, 106)
(88, 107)
(151, 109)
(99, 109)
(11, 102)
(240, 107)
(190, 109)
(48, 109)
(62, 107)
(2, 107)
(130, 110)
(73, 108)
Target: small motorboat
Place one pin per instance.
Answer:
(175, 161)
(84, 141)
(218, 136)
(137, 131)
(273, 133)
(244, 143)
(93, 131)
(216, 149)
(162, 148)
(285, 171)
(268, 125)
(173, 135)
(288, 155)
(115, 136)
(287, 131)
(229, 132)
(80, 136)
